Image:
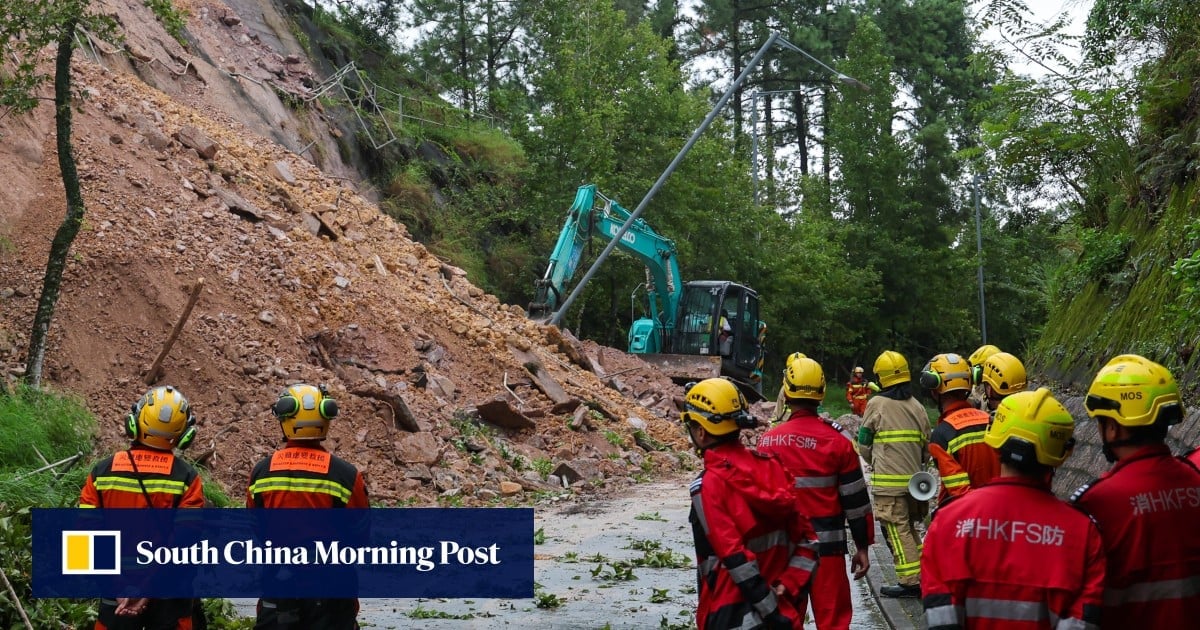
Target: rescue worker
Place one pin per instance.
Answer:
(148, 475)
(781, 409)
(857, 391)
(893, 440)
(1148, 503)
(303, 474)
(1003, 375)
(829, 488)
(1010, 554)
(755, 552)
(956, 443)
(978, 397)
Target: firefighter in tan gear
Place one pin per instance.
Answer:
(1003, 375)
(893, 439)
(978, 397)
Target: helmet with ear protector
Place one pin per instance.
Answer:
(945, 373)
(304, 411)
(161, 419)
(976, 360)
(717, 406)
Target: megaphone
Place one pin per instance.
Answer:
(922, 486)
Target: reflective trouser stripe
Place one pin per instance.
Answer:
(902, 543)
(816, 482)
(1153, 591)
(1006, 609)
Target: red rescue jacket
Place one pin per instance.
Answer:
(956, 444)
(161, 480)
(1010, 555)
(827, 477)
(303, 474)
(1148, 509)
(749, 537)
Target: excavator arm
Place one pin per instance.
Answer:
(593, 214)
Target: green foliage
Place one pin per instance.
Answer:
(172, 18)
(544, 466)
(420, 612)
(649, 516)
(58, 427)
(539, 536)
(546, 601)
(222, 615)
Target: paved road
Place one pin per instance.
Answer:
(590, 548)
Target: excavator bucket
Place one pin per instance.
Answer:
(685, 367)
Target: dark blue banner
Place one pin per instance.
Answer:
(299, 553)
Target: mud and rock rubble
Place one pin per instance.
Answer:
(304, 280)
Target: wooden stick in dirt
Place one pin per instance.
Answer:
(152, 375)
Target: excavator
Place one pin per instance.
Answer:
(690, 330)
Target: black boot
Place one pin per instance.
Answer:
(900, 590)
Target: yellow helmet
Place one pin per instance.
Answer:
(804, 379)
(717, 406)
(162, 419)
(892, 368)
(982, 353)
(1136, 392)
(793, 356)
(304, 411)
(1032, 425)
(1005, 373)
(946, 373)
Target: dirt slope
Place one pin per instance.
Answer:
(304, 280)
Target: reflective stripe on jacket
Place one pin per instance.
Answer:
(828, 478)
(142, 477)
(303, 475)
(899, 432)
(748, 536)
(956, 444)
(1148, 509)
(1010, 555)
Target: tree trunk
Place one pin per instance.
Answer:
(61, 246)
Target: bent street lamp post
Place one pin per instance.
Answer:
(979, 249)
(774, 39)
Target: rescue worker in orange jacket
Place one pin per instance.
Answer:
(1148, 503)
(1002, 375)
(148, 475)
(857, 391)
(755, 552)
(303, 474)
(1010, 555)
(829, 487)
(956, 444)
(894, 439)
(976, 359)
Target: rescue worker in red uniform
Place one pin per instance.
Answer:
(1009, 555)
(1003, 375)
(755, 552)
(857, 391)
(1148, 503)
(956, 444)
(829, 486)
(148, 475)
(303, 474)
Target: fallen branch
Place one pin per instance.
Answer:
(152, 375)
(16, 602)
(510, 390)
(69, 460)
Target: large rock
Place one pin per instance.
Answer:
(190, 136)
(578, 470)
(418, 448)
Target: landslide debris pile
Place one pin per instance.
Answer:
(446, 394)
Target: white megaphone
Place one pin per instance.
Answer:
(922, 486)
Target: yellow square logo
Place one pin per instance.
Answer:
(91, 552)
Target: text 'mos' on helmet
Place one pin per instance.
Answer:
(946, 373)
(804, 379)
(304, 411)
(1032, 425)
(891, 368)
(1005, 373)
(716, 405)
(1135, 392)
(162, 419)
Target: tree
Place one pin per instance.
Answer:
(27, 27)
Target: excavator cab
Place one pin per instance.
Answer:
(720, 319)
